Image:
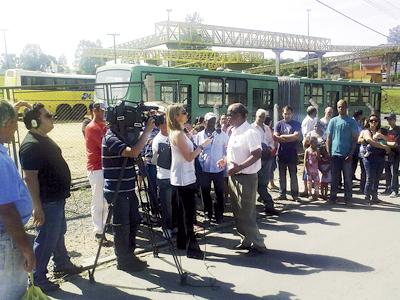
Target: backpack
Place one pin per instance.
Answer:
(164, 156)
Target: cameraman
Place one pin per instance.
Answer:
(126, 216)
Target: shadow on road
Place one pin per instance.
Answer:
(162, 282)
(284, 262)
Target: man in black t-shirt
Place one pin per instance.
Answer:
(48, 178)
(392, 164)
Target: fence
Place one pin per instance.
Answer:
(70, 106)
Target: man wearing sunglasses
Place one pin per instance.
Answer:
(341, 141)
(48, 179)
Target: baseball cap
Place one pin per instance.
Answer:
(391, 117)
(209, 116)
(99, 105)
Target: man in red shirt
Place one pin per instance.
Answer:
(94, 133)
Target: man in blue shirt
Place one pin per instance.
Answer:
(287, 133)
(341, 141)
(15, 211)
(210, 170)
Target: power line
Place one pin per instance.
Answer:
(392, 4)
(382, 8)
(359, 23)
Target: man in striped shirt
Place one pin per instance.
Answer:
(126, 216)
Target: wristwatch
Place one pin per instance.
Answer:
(201, 147)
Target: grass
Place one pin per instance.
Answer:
(390, 100)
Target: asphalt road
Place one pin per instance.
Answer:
(316, 251)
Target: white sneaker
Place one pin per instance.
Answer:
(393, 195)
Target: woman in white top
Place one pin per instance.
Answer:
(183, 177)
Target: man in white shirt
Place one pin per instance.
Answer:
(267, 145)
(328, 114)
(243, 159)
(210, 171)
(307, 126)
(162, 159)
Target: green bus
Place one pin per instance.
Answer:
(203, 90)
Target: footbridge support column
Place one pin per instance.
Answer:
(320, 55)
(277, 60)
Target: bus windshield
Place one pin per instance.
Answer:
(116, 91)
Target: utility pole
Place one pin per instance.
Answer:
(308, 42)
(5, 47)
(168, 12)
(115, 50)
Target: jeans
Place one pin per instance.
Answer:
(373, 169)
(165, 193)
(218, 180)
(264, 176)
(363, 177)
(294, 185)
(126, 220)
(50, 240)
(152, 179)
(13, 277)
(392, 174)
(356, 158)
(339, 165)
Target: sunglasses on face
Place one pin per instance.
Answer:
(373, 121)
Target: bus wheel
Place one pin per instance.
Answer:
(79, 111)
(63, 112)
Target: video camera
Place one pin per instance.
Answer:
(127, 119)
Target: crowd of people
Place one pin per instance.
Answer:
(219, 159)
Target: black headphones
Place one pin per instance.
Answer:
(33, 115)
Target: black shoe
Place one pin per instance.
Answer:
(195, 254)
(241, 246)
(386, 192)
(219, 219)
(133, 265)
(106, 243)
(296, 198)
(304, 194)
(281, 197)
(332, 201)
(272, 211)
(259, 249)
(48, 286)
(68, 269)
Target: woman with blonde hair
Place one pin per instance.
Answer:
(183, 178)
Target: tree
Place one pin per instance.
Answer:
(88, 65)
(33, 58)
(62, 64)
(194, 18)
(10, 62)
(394, 35)
(191, 39)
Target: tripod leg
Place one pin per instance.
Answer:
(91, 272)
(146, 208)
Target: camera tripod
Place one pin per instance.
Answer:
(146, 207)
